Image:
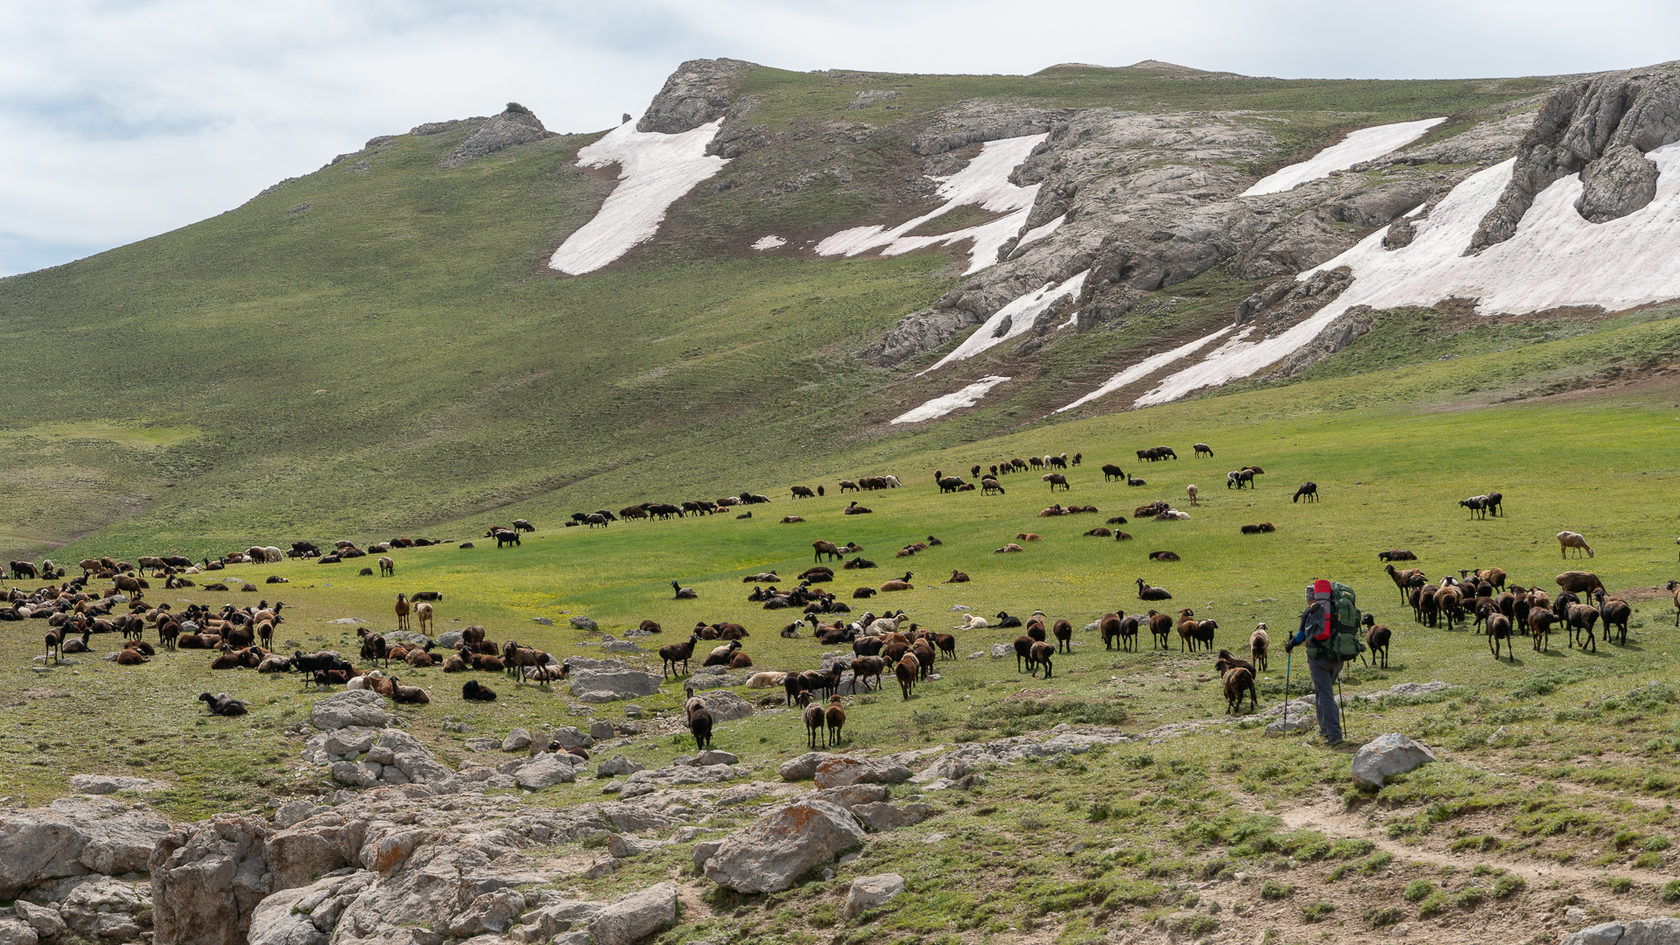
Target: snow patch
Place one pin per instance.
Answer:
(769, 242)
(1144, 368)
(1020, 315)
(655, 171)
(940, 406)
(983, 183)
(1556, 258)
(1366, 144)
(1040, 232)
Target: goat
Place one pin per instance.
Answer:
(1568, 540)
(1307, 491)
(222, 704)
(683, 593)
(1148, 592)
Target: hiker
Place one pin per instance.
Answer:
(1317, 627)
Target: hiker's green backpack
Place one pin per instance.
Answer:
(1344, 642)
(1344, 638)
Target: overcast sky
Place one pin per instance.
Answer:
(120, 119)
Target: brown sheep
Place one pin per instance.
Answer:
(1258, 644)
(1055, 479)
(387, 567)
(1238, 680)
(1041, 655)
(1579, 582)
(1148, 592)
(957, 577)
(1396, 554)
(1163, 556)
(699, 723)
(836, 718)
(907, 671)
(1100, 532)
(814, 722)
(899, 584)
(1160, 627)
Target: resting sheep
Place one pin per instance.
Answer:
(222, 704)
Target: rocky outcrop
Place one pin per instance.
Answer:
(513, 127)
(1613, 119)
(636, 916)
(353, 707)
(772, 853)
(1664, 931)
(700, 91)
(74, 837)
(609, 680)
(207, 880)
(973, 122)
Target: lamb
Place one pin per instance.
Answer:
(222, 704)
(1568, 540)
(474, 691)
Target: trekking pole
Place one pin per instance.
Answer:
(1288, 656)
(1341, 702)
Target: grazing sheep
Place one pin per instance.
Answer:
(863, 593)
(474, 691)
(1582, 618)
(222, 704)
(699, 723)
(1055, 479)
(1202, 448)
(1194, 494)
(907, 670)
(1568, 540)
(1148, 592)
(1579, 582)
(1160, 627)
(387, 567)
(1258, 644)
(1307, 491)
(1238, 680)
(683, 593)
(1112, 472)
(1041, 654)
(1109, 626)
(1615, 613)
(1062, 630)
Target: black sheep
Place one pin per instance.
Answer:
(222, 704)
(473, 691)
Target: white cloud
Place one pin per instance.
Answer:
(125, 120)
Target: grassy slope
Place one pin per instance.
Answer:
(1391, 451)
(376, 345)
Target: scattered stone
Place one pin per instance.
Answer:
(600, 730)
(585, 624)
(841, 770)
(111, 784)
(1296, 723)
(633, 711)
(878, 817)
(547, 770)
(715, 757)
(568, 737)
(617, 765)
(543, 621)
(517, 740)
(802, 767)
(1386, 756)
(1664, 931)
(636, 916)
(772, 853)
(958, 608)
(607, 680)
(870, 892)
(625, 846)
(1002, 650)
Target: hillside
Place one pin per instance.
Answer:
(394, 343)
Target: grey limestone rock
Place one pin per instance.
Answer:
(700, 91)
(870, 892)
(354, 707)
(74, 837)
(636, 917)
(773, 852)
(1386, 756)
(511, 128)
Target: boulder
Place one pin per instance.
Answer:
(606, 680)
(1386, 756)
(725, 706)
(869, 892)
(802, 767)
(600, 730)
(714, 757)
(74, 837)
(636, 916)
(517, 740)
(100, 908)
(646, 782)
(616, 765)
(841, 770)
(569, 737)
(553, 917)
(547, 770)
(358, 707)
(877, 817)
(292, 813)
(45, 920)
(490, 912)
(773, 852)
(15, 931)
(585, 624)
